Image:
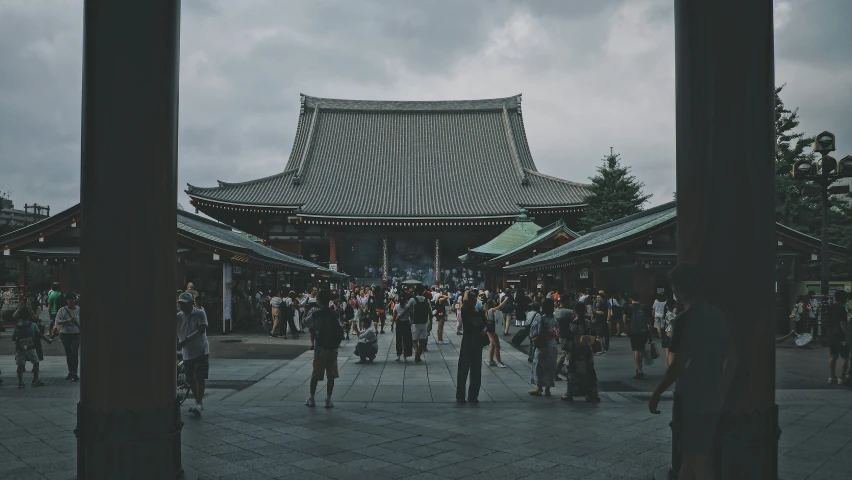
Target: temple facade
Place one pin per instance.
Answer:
(394, 190)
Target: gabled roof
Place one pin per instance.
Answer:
(189, 227)
(516, 234)
(447, 159)
(627, 229)
(604, 236)
(546, 233)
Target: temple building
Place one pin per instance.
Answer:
(394, 190)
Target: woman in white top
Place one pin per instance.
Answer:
(671, 314)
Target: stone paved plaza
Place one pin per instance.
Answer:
(394, 421)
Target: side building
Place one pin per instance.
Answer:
(396, 190)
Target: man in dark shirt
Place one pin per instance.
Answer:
(637, 316)
(703, 364)
(836, 325)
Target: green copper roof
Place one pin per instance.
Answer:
(603, 236)
(542, 235)
(518, 233)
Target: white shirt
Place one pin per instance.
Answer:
(65, 313)
(659, 309)
(186, 325)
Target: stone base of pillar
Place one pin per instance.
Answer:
(129, 445)
(747, 444)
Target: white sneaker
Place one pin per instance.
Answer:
(193, 409)
(196, 409)
(397, 359)
(446, 342)
(328, 403)
(501, 364)
(310, 402)
(832, 380)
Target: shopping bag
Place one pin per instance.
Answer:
(646, 354)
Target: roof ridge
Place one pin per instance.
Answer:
(208, 221)
(513, 150)
(297, 179)
(650, 211)
(236, 184)
(557, 179)
(512, 102)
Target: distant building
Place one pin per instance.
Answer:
(12, 218)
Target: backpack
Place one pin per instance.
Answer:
(639, 317)
(510, 304)
(25, 339)
(421, 312)
(329, 334)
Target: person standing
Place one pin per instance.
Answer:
(327, 337)
(522, 306)
(275, 308)
(470, 353)
(637, 316)
(68, 319)
(25, 335)
(421, 314)
(600, 314)
(493, 317)
(192, 340)
(55, 302)
(616, 303)
(508, 310)
(835, 324)
(442, 306)
(703, 366)
(564, 316)
(544, 333)
(659, 308)
(671, 315)
(402, 323)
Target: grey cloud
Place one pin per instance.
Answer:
(244, 63)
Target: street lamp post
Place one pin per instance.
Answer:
(819, 177)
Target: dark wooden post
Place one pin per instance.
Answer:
(128, 423)
(22, 273)
(725, 184)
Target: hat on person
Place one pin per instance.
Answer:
(185, 297)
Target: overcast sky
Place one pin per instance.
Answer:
(593, 74)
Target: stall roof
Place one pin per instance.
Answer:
(192, 227)
(627, 229)
(546, 233)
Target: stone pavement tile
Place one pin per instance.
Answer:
(62, 475)
(396, 458)
(534, 464)
(314, 463)
(565, 472)
(342, 472)
(504, 472)
(368, 464)
(22, 474)
(392, 472)
(424, 476)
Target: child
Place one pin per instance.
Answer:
(368, 343)
(25, 336)
(582, 378)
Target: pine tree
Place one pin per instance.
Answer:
(614, 193)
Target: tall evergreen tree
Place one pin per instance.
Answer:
(614, 193)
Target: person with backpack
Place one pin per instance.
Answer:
(421, 314)
(25, 335)
(640, 333)
(544, 331)
(68, 319)
(327, 337)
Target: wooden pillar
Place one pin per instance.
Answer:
(385, 275)
(726, 136)
(437, 267)
(128, 422)
(332, 248)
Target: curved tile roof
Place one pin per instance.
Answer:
(377, 159)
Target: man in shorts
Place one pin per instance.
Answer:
(421, 315)
(327, 338)
(192, 340)
(703, 363)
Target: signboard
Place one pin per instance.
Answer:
(513, 281)
(238, 270)
(584, 273)
(332, 266)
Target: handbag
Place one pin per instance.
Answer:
(655, 352)
(666, 341)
